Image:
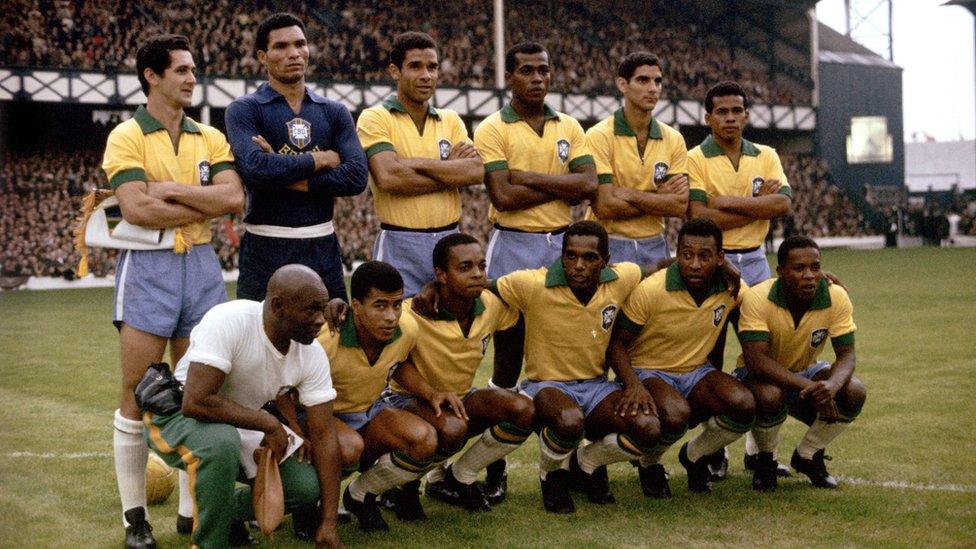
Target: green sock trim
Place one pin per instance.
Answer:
(506, 433)
(444, 455)
(667, 439)
(403, 461)
(513, 429)
(767, 422)
(845, 415)
(557, 444)
(346, 471)
(726, 422)
(628, 444)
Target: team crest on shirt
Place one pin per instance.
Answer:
(757, 183)
(660, 171)
(204, 168)
(607, 315)
(484, 345)
(717, 314)
(299, 132)
(817, 337)
(562, 150)
(444, 146)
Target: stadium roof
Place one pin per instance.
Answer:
(838, 48)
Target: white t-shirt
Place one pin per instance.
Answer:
(231, 338)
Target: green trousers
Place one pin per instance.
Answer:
(210, 454)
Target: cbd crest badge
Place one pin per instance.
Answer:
(299, 132)
(562, 150)
(660, 171)
(717, 315)
(607, 315)
(204, 170)
(757, 183)
(444, 147)
(817, 337)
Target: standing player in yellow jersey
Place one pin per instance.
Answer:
(451, 344)
(418, 158)
(536, 167)
(168, 171)
(784, 328)
(663, 350)
(639, 164)
(372, 345)
(740, 186)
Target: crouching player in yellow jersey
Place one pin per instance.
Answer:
(784, 326)
(663, 350)
(371, 345)
(452, 338)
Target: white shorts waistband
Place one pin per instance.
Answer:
(274, 231)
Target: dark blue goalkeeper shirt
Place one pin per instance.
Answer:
(322, 124)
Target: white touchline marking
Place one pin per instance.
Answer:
(51, 455)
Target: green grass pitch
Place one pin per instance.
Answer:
(907, 466)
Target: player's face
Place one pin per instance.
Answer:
(644, 88)
(582, 261)
(176, 83)
(417, 79)
(302, 314)
(466, 271)
(698, 257)
(530, 80)
(801, 273)
(379, 313)
(287, 56)
(728, 117)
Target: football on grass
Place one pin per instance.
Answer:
(160, 479)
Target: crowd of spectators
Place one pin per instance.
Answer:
(349, 40)
(40, 196)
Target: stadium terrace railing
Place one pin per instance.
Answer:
(120, 89)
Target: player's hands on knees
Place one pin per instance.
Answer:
(277, 440)
(328, 536)
(636, 399)
(821, 393)
(335, 314)
(770, 186)
(426, 302)
(462, 151)
(440, 398)
(731, 276)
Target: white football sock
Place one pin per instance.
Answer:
(818, 436)
(390, 471)
(717, 433)
(763, 439)
(495, 443)
(131, 454)
(186, 499)
(552, 454)
(610, 449)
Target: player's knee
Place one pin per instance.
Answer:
(521, 412)
(351, 448)
(741, 404)
(769, 399)
(645, 428)
(569, 423)
(452, 432)
(854, 394)
(674, 418)
(421, 441)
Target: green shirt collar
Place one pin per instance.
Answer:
(510, 116)
(348, 337)
(710, 148)
(556, 276)
(621, 127)
(148, 124)
(391, 103)
(674, 283)
(821, 298)
(479, 307)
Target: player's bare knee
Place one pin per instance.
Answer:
(421, 439)
(569, 423)
(351, 448)
(452, 432)
(854, 394)
(741, 404)
(644, 428)
(521, 412)
(769, 399)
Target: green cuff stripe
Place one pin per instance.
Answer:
(219, 167)
(604, 178)
(698, 195)
(378, 148)
(628, 444)
(629, 324)
(346, 471)
(133, 174)
(754, 335)
(726, 422)
(846, 339)
(785, 189)
(496, 165)
(493, 287)
(581, 161)
(768, 422)
(667, 439)
(403, 461)
(845, 415)
(557, 444)
(513, 429)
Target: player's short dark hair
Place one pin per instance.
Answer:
(406, 41)
(280, 20)
(443, 247)
(374, 274)
(525, 48)
(629, 65)
(791, 243)
(589, 228)
(154, 54)
(723, 89)
(701, 227)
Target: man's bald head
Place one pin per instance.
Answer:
(292, 279)
(295, 303)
